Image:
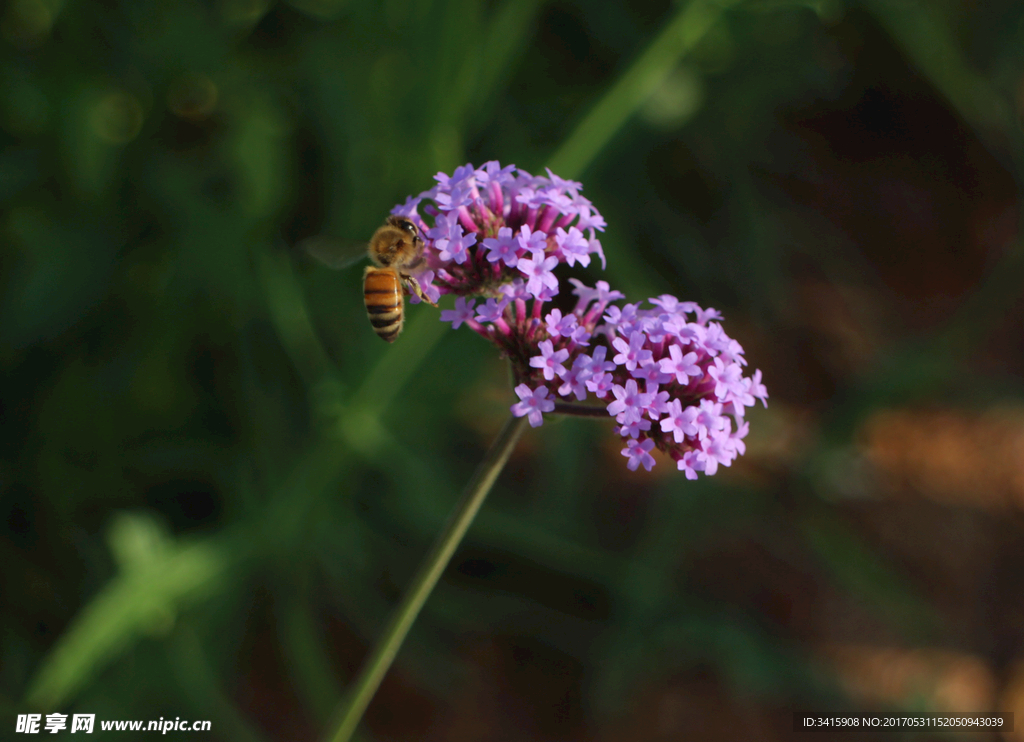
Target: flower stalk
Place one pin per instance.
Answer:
(579, 410)
(426, 578)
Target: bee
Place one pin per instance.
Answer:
(396, 249)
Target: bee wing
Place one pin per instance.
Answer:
(333, 252)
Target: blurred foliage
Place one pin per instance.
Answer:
(216, 480)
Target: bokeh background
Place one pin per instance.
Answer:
(215, 480)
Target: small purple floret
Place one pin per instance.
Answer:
(463, 312)
(538, 269)
(638, 453)
(534, 403)
(549, 360)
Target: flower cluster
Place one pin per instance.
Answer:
(669, 375)
(500, 235)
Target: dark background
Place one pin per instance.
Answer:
(215, 481)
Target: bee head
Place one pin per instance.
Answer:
(406, 225)
(398, 243)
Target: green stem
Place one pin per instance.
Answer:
(629, 92)
(580, 410)
(423, 583)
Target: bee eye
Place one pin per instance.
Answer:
(409, 227)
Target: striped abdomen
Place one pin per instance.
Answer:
(382, 292)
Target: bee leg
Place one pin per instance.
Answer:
(413, 287)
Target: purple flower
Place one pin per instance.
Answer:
(717, 449)
(740, 397)
(493, 172)
(456, 198)
(573, 245)
(602, 293)
(738, 436)
(492, 310)
(408, 209)
(575, 379)
(559, 326)
(651, 373)
(680, 422)
(547, 293)
(516, 289)
(598, 249)
(733, 352)
(688, 464)
(460, 176)
(638, 453)
(449, 240)
(580, 336)
(531, 241)
(757, 389)
(598, 362)
(443, 226)
(620, 320)
(530, 197)
(533, 404)
(679, 365)
(629, 402)
(709, 418)
(728, 379)
(457, 245)
(631, 354)
(715, 339)
(658, 404)
(538, 271)
(463, 312)
(600, 384)
(568, 185)
(654, 328)
(667, 302)
(549, 360)
(503, 247)
(634, 429)
(589, 218)
(689, 332)
(560, 205)
(706, 315)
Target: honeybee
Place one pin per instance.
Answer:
(396, 250)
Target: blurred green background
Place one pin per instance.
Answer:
(215, 480)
